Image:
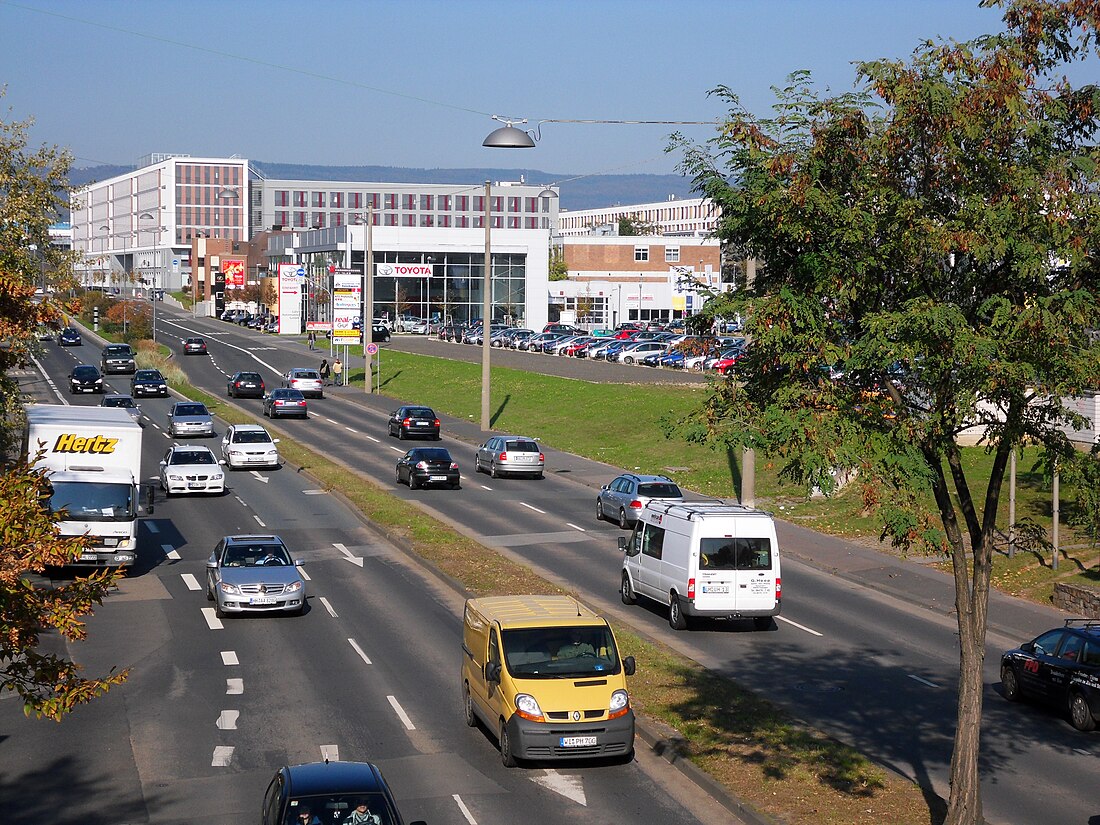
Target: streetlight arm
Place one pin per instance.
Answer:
(511, 137)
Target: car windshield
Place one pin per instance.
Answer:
(97, 501)
(194, 340)
(338, 809)
(147, 375)
(85, 372)
(251, 437)
(560, 652)
(659, 489)
(293, 395)
(256, 555)
(121, 401)
(735, 554)
(118, 349)
(521, 447)
(193, 457)
(190, 409)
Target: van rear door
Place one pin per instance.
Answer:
(757, 565)
(716, 583)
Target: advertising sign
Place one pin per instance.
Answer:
(347, 293)
(290, 299)
(403, 270)
(234, 272)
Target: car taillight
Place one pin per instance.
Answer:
(405, 422)
(422, 465)
(435, 422)
(503, 457)
(454, 465)
(691, 588)
(778, 588)
(278, 402)
(635, 504)
(542, 457)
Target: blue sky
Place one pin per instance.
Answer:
(380, 82)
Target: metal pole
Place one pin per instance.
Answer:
(367, 326)
(1012, 503)
(1054, 525)
(156, 271)
(748, 478)
(486, 309)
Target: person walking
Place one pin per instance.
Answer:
(311, 338)
(324, 370)
(337, 372)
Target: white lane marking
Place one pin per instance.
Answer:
(922, 681)
(247, 352)
(571, 787)
(575, 527)
(256, 474)
(532, 507)
(223, 755)
(356, 560)
(375, 440)
(350, 430)
(486, 487)
(395, 449)
(303, 574)
(359, 650)
(314, 492)
(229, 657)
(400, 711)
(799, 626)
(234, 687)
(241, 500)
(258, 521)
(332, 421)
(49, 381)
(170, 551)
(151, 527)
(330, 753)
(191, 582)
(227, 720)
(212, 621)
(462, 807)
(328, 607)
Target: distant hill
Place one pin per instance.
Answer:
(587, 193)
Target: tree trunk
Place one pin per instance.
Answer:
(965, 803)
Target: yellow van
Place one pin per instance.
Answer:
(544, 674)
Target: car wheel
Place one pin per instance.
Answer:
(623, 523)
(477, 464)
(400, 433)
(599, 510)
(626, 590)
(209, 591)
(538, 476)
(506, 755)
(397, 477)
(468, 706)
(1080, 716)
(413, 483)
(1010, 684)
(493, 470)
(676, 618)
(628, 360)
(218, 609)
(456, 486)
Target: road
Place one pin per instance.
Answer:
(212, 708)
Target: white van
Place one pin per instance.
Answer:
(704, 559)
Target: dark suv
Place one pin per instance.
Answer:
(118, 358)
(1060, 668)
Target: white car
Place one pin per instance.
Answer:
(187, 468)
(249, 445)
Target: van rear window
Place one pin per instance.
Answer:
(735, 554)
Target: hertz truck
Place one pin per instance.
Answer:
(544, 674)
(93, 459)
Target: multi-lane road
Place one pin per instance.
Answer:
(855, 660)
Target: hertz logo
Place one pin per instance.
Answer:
(93, 445)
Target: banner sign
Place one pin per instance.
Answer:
(290, 300)
(234, 273)
(347, 300)
(403, 270)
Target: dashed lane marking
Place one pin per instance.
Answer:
(375, 440)
(191, 582)
(223, 755)
(462, 807)
(170, 552)
(212, 620)
(575, 527)
(151, 527)
(258, 520)
(234, 687)
(229, 658)
(330, 753)
(304, 574)
(532, 507)
(359, 650)
(227, 719)
(329, 608)
(799, 626)
(400, 711)
(922, 681)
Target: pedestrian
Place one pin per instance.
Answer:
(324, 370)
(311, 338)
(337, 371)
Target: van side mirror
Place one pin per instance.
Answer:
(629, 666)
(492, 672)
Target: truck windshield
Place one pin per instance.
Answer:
(93, 501)
(560, 652)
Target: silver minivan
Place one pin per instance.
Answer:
(510, 455)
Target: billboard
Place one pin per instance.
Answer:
(347, 294)
(290, 298)
(234, 272)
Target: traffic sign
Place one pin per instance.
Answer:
(301, 272)
(372, 349)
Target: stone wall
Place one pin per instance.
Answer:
(1077, 601)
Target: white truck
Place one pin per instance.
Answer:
(93, 458)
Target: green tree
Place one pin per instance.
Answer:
(559, 269)
(633, 225)
(935, 231)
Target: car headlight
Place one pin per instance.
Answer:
(175, 478)
(620, 704)
(294, 587)
(217, 477)
(236, 452)
(528, 708)
(229, 589)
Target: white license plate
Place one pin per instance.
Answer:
(89, 557)
(437, 478)
(525, 459)
(577, 741)
(262, 600)
(420, 423)
(716, 588)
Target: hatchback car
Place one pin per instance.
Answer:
(148, 382)
(249, 445)
(510, 455)
(627, 495)
(85, 378)
(634, 354)
(424, 466)
(194, 346)
(254, 574)
(410, 422)
(125, 402)
(1060, 668)
(118, 358)
(284, 401)
(69, 337)
(190, 418)
(245, 385)
(306, 381)
(330, 792)
(186, 468)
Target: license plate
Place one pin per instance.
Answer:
(420, 423)
(262, 600)
(89, 557)
(716, 588)
(437, 478)
(577, 741)
(195, 485)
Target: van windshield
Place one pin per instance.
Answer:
(560, 652)
(735, 554)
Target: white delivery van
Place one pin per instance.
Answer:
(705, 559)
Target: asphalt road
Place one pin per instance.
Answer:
(213, 707)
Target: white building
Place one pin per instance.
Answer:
(696, 217)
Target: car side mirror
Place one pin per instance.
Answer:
(163, 463)
(212, 562)
(221, 461)
(299, 562)
(274, 441)
(492, 672)
(1028, 647)
(629, 666)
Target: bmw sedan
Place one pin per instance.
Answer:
(424, 466)
(190, 418)
(189, 469)
(249, 445)
(254, 574)
(148, 382)
(85, 378)
(414, 422)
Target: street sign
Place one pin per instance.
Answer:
(372, 349)
(301, 272)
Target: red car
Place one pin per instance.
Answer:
(579, 348)
(723, 365)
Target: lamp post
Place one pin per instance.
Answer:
(149, 216)
(107, 229)
(366, 324)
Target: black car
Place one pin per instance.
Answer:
(285, 401)
(409, 422)
(194, 346)
(245, 385)
(452, 332)
(148, 382)
(118, 358)
(68, 337)
(424, 466)
(379, 333)
(1060, 668)
(85, 378)
(333, 792)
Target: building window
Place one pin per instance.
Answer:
(426, 203)
(514, 204)
(408, 202)
(513, 222)
(391, 203)
(672, 254)
(318, 221)
(299, 220)
(282, 197)
(531, 223)
(462, 222)
(337, 218)
(408, 219)
(355, 200)
(479, 204)
(444, 203)
(391, 219)
(641, 253)
(427, 220)
(462, 203)
(444, 220)
(299, 199)
(282, 218)
(318, 200)
(336, 200)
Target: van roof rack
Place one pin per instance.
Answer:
(695, 509)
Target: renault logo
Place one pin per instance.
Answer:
(576, 716)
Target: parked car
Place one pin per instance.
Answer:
(190, 418)
(118, 358)
(412, 421)
(624, 496)
(512, 337)
(330, 792)
(422, 466)
(452, 332)
(510, 455)
(194, 346)
(578, 347)
(533, 343)
(148, 382)
(307, 381)
(68, 337)
(187, 468)
(547, 346)
(634, 353)
(1061, 669)
(563, 329)
(284, 401)
(245, 385)
(254, 574)
(125, 402)
(380, 333)
(249, 445)
(85, 378)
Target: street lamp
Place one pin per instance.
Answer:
(509, 136)
(149, 216)
(366, 324)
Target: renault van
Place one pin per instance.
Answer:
(704, 559)
(543, 673)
